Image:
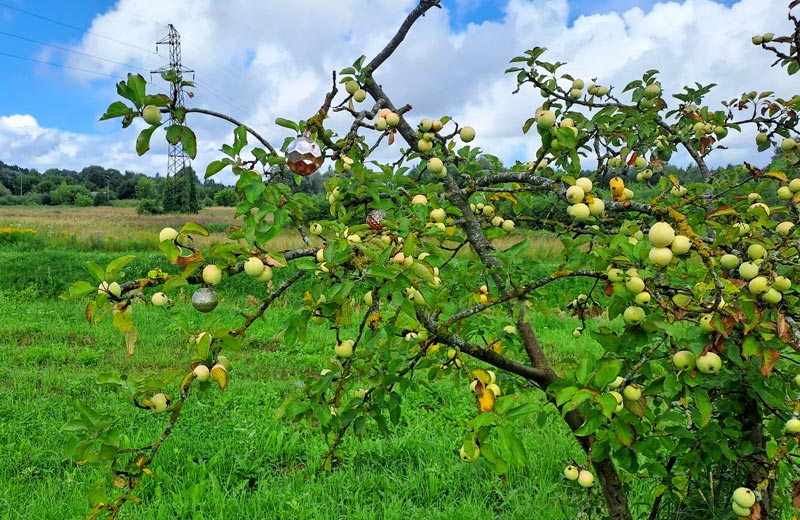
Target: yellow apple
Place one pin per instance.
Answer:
(212, 274)
(661, 234)
(167, 233)
(253, 266)
(344, 348)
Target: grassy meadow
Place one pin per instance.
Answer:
(229, 457)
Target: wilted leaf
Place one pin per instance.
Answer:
(486, 401)
(220, 375)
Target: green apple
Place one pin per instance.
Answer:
(744, 497)
(159, 299)
(680, 245)
(571, 472)
(253, 266)
(785, 193)
(632, 393)
(466, 456)
(392, 119)
(578, 84)
(742, 228)
(344, 348)
(497, 221)
(757, 40)
(580, 211)
(767, 37)
(781, 283)
(380, 123)
(467, 134)
(739, 510)
(489, 211)
(756, 251)
(678, 191)
(577, 332)
(793, 425)
(438, 215)
(436, 125)
(575, 194)
(201, 373)
(545, 119)
(643, 298)
(761, 138)
(709, 363)
(797, 380)
(748, 270)
(634, 284)
(772, 296)
(661, 234)
(353, 239)
(706, 322)
(266, 274)
(316, 228)
(360, 95)
(684, 360)
(585, 478)
(640, 162)
(633, 315)
(788, 144)
(159, 403)
(729, 261)
(794, 185)
(575, 93)
(660, 256)
(615, 275)
(351, 86)
(151, 115)
(425, 125)
(112, 288)
(212, 274)
(507, 225)
(167, 233)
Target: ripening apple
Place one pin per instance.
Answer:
(507, 225)
(344, 348)
(616, 383)
(585, 478)
(212, 274)
(744, 497)
(159, 401)
(167, 233)
(571, 472)
(729, 261)
(684, 360)
(159, 299)
(615, 275)
(758, 285)
(545, 119)
(759, 206)
(680, 245)
(360, 95)
(632, 393)
(740, 511)
(585, 184)
(575, 194)
(253, 266)
(661, 234)
(380, 123)
(706, 322)
(438, 215)
(316, 228)
(488, 211)
(652, 91)
(643, 298)
(785, 193)
(151, 115)
(353, 239)
(467, 134)
(597, 207)
(579, 211)
(201, 373)
(660, 256)
(425, 125)
(793, 425)
(709, 363)
(788, 144)
(633, 315)
(497, 221)
(785, 227)
(794, 185)
(620, 402)
(436, 125)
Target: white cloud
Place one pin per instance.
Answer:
(262, 60)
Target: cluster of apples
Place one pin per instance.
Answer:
(666, 244)
(742, 500)
(583, 204)
(490, 213)
(584, 477)
(386, 118)
(767, 287)
(353, 88)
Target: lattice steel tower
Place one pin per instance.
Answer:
(178, 159)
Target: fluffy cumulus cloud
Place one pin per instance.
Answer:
(262, 60)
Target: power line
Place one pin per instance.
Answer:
(2, 4)
(65, 49)
(60, 65)
(243, 111)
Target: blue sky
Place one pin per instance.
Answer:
(60, 107)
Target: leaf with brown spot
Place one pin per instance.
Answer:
(220, 375)
(272, 262)
(796, 489)
(91, 307)
(771, 357)
(197, 256)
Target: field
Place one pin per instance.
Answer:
(229, 457)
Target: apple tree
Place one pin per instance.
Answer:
(690, 294)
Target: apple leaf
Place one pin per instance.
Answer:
(194, 228)
(625, 434)
(143, 141)
(117, 109)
